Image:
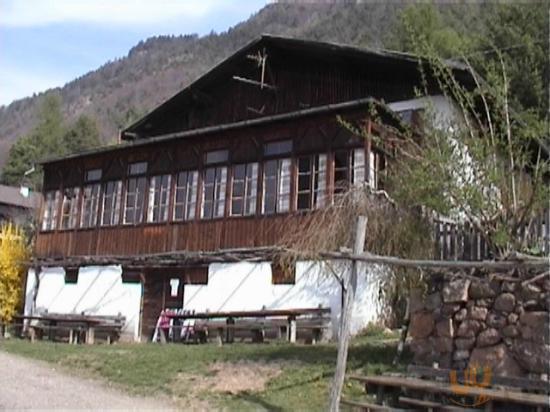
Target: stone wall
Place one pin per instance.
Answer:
(483, 320)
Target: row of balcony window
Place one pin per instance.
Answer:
(206, 194)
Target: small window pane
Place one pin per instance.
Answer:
(137, 168)
(277, 148)
(93, 175)
(217, 156)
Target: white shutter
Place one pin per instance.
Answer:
(321, 181)
(284, 185)
(358, 166)
(151, 202)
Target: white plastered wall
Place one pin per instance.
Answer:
(248, 286)
(445, 112)
(98, 291)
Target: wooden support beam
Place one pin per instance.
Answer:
(255, 83)
(345, 318)
(291, 330)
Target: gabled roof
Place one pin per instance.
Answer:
(312, 48)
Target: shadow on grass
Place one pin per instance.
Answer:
(360, 356)
(258, 401)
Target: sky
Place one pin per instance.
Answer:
(47, 43)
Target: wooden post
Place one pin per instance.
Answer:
(291, 330)
(230, 333)
(90, 335)
(345, 318)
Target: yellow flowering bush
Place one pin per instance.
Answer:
(14, 252)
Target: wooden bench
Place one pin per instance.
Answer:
(73, 328)
(399, 391)
(278, 323)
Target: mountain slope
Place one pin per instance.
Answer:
(122, 90)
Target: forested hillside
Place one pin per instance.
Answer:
(122, 90)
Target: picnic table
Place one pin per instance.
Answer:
(73, 323)
(290, 316)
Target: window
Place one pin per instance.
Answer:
(69, 208)
(93, 175)
(159, 197)
(138, 168)
(90, 205)
(244, 189)
(349, 169)
(186, 195)
(135, 193)
(49, 219)
(276, 193)
(312, 181)
(112, 195)
(213, 192)
(71, 276)
(283, 275)
(135, 196)
(278, 148)
(217, 156)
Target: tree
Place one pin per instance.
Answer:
(424, 21)
(82, 135)
(50, 138)
(487, 167)
(45, 140)
(14, 253)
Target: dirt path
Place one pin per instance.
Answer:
(30, 384)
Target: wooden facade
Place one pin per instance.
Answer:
(273, 90)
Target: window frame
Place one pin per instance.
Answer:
(116, 206)
(72, 216)
(279, 184)
(219, 194)
(353, 171)
(139, 176)
(318, 194)
(191, 189)
(249, 197)
(163, 208)
(52, 207)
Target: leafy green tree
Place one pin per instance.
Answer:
(82, 135)
(425, 22)
(22, 156)
(50, 138)
(45, 140)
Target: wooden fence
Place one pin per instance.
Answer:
(455, 241)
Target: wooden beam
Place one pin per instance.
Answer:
(255, 83)
(345, 318)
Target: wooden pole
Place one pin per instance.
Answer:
(345, 318)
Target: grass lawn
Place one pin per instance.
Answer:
(301, 382)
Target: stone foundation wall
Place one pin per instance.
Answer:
(482, 320)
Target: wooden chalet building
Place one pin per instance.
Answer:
(233, 160)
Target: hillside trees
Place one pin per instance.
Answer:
(50, 137)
